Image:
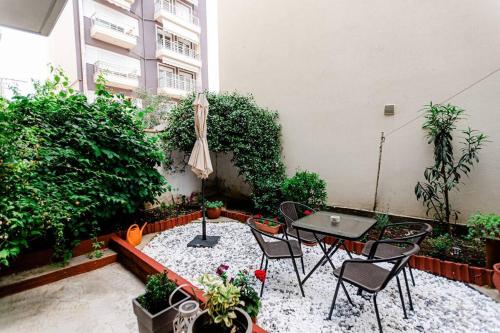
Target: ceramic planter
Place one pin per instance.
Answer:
(492, 252)
(213, 213)
(496, 275)
(268, 229)
(160, 322)
(202, 323)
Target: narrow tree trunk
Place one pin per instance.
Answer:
(446, 199)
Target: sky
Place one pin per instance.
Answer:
(23, 56)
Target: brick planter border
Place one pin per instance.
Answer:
(30, 260)
(452, 270)
(142, 266)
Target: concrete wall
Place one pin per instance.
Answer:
(330, 66)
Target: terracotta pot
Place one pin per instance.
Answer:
(213, 213)
(160, 322)
(496, 275)
(268, 229)
(202, 323)
(492, 252)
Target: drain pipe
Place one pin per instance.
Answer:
(381, 145)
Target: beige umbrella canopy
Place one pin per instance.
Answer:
(201, 165)
(199, 160)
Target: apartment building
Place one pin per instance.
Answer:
(152, 45)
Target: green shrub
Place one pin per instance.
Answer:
(214, 204)
(484, 226)
(158, 290)
(382, 221)
(69, 167)
(305, 187)
(440, 246)
(235, 124)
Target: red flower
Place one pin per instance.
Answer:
(260, 275)
(307, 212)
(222, 269)
(258, 216)
(275, 219)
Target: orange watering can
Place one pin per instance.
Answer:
(134, 234)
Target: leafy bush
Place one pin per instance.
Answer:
(158, 290)
(305, 187)
(484, 226)
(440, 246)
(214, 204)
(382, 221)
(235, 124)
(248, 295)
(69, 167)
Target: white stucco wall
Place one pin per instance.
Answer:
(330, 66)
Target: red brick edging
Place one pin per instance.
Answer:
(142, 265)
(452, 270)
(57, 275)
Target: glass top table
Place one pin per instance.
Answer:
(349, 227)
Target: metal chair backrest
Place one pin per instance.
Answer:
(289, 211)
(417, 231)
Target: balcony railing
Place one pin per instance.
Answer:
(115, 70)
(178, 48)
(111, 26)
(170, 80)
(170, 7)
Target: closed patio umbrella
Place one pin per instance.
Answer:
(201, 165)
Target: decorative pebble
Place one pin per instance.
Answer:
(441, 305)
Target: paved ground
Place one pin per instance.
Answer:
(98, 301)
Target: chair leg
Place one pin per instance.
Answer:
(376, 313)
(262, 261)
(346, 293)
(408, 289)
(411, 275)
(298, 276)
(334, 299)
(263, 282)
(302, 263)
(401, 296)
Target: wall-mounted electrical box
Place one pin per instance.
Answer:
(389, 110)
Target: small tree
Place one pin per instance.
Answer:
(445, 174)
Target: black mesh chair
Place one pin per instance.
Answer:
(412, 232)
(277, 248)
(368, 276)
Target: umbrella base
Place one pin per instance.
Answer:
(198, 241)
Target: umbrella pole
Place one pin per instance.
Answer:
(203, 221)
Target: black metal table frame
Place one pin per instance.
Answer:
(327, 253)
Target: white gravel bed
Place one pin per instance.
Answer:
(441, 305)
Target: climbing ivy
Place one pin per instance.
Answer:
(235, 124)
(69, 167)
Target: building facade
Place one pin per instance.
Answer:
(152, 45)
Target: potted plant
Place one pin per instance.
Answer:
(213, 209)
(224, 306)
(248, 295)
(487, 226)
(267, 225)
(153, 311)
(496, 275)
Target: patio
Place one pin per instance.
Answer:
(440, 304)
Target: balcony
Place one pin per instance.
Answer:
(185, 55)
(187, 26)
(125, 4)
(175, 86)
(117, 76)
(112, 33)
